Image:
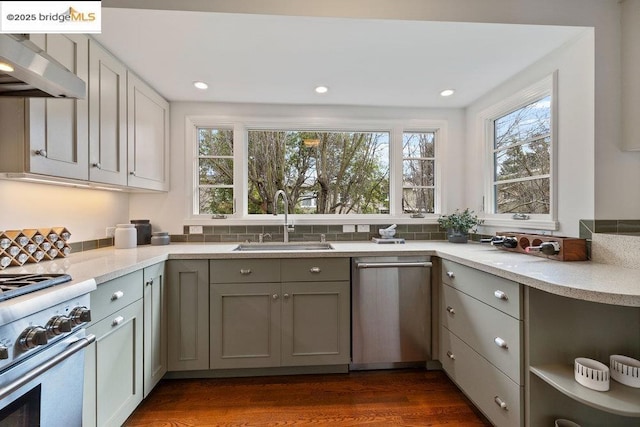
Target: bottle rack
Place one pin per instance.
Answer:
(18, 247)
(571, 248)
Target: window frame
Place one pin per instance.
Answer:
(241, 126)
(546, 87)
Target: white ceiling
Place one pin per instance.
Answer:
(280, 59)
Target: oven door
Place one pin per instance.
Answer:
(46, 388)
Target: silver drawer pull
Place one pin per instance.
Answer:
(149, 282)
(451, 355)
(245, 271)
(117, 295)
(286, 296)
(450, 310)
(314, 270)
(118, 320)
(450, 274)
(500, 342)
(501, 403)
(500, 295)
(275, 296)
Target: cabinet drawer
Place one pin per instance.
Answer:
(245, 271)
(498, 292)
(481, 382)
(490, 332)
(116, 294)
(315, 269)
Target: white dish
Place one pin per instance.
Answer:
(591, 374)
(625, 370)
(387, 233)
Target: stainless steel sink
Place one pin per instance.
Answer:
(291, 246)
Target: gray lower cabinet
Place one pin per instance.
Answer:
(188, 315)
(481, 340)
(114, 363)
(155, 326)
(280, 313)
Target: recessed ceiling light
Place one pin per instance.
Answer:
(322, 89)
(201, 85)
(6, 67)
(447, 92)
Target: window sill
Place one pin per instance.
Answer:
(320, 220)
(511, 224)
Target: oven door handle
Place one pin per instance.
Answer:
(59, 358)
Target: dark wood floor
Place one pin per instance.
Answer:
(371, 398)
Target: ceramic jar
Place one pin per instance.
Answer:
(125, 236)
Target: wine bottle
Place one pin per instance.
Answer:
(547, 248)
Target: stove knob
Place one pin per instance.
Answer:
(59, 324)
(80, 315)
(32, 337)
(4, 352)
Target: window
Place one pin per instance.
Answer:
(322, 172)
(215, 171)
(418, 172)
(522, 159)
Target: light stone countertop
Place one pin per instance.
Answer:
(584, 280)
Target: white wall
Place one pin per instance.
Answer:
(170, 211)
(85, 212)
(574, 63)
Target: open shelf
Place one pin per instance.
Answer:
(620, 399)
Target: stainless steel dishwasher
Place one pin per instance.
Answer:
(390, 312)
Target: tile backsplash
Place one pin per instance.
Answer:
(609, 226)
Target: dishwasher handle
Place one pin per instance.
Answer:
(394, 264)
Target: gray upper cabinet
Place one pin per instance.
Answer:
(148, 136)
(631, 74)
(107, 117)
(49, 136)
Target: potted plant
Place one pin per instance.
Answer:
(458, 225)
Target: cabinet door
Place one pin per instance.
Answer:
(245, 325)
(155, 327)
(315, 323)
(57, 128)
(148, 139)
(107, 117)
(117, 368)
(188, 315)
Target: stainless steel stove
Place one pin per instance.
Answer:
(42, 338)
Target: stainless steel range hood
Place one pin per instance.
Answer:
(35, 74)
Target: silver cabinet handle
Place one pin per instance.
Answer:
(286, 295)
(149, 282)
(97, 165)
(118, 320)
(314, 270)
(450, 274)
(132, 173)
(245, 271)
(451, 355)
(500, 342)
(450, 310)
(41, 152)
(500, 295)
(117, 295)
(275, 296)
(501, 403)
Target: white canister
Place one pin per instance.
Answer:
(125, 236)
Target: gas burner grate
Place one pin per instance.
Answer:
(14, 285)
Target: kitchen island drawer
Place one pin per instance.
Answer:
(315, 269)
(115, 294)
(245, 271)
(503, 294)
(490, 332)
(495, 394)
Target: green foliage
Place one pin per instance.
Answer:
(460, 221)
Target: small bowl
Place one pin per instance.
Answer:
(591, 374)
(387, 234)
(625, 370)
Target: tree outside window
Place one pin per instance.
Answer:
(215, 171)
(418, 172)
(321, 172)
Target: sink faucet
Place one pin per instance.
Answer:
(287, 228)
